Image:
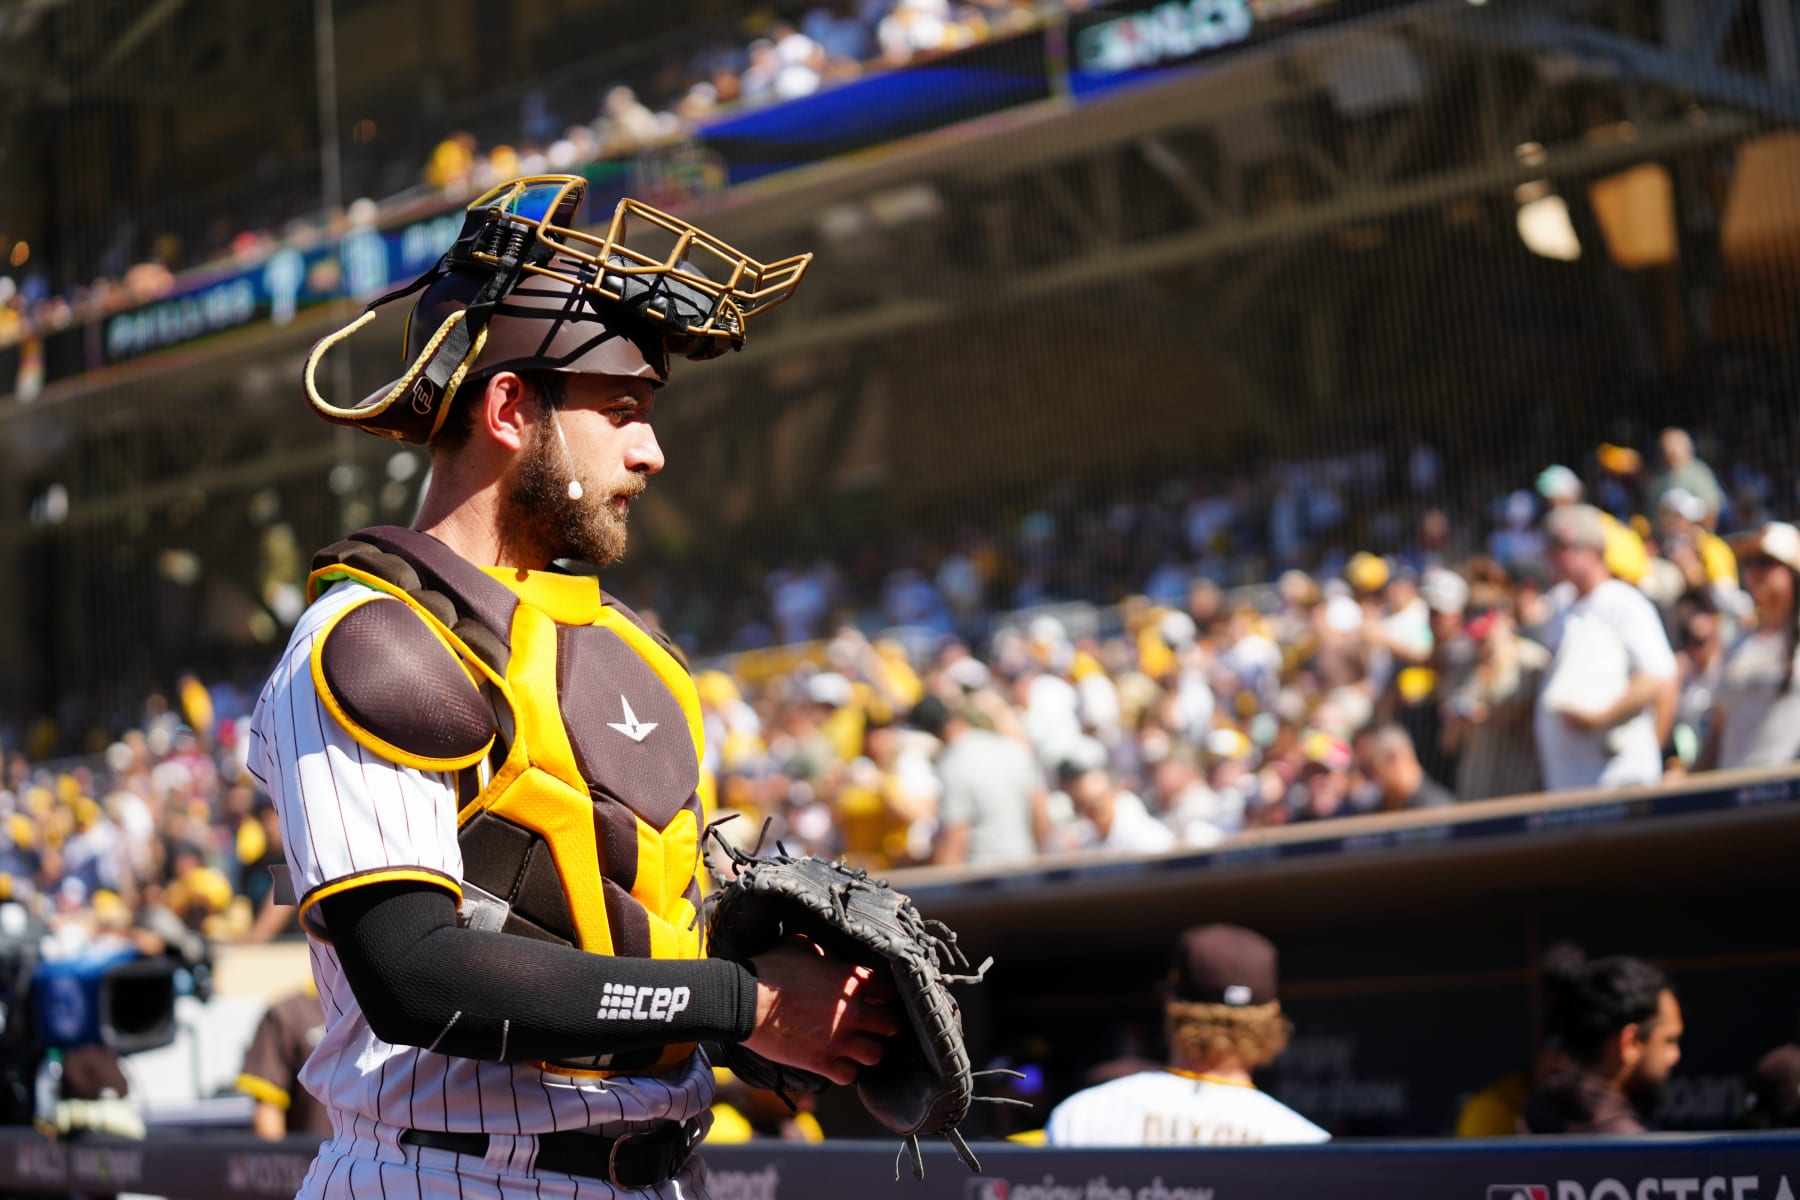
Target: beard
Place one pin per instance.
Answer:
(541, 520)
(1646, 1094)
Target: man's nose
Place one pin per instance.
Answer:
(645, 454)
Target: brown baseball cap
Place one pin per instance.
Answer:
(1223, 964)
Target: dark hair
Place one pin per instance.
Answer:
(930, 715)
(1590, 1002)
(550, 386)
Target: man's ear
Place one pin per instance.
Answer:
(1630, 1043)
(501, 412)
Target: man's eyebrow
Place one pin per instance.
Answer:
(628, 403)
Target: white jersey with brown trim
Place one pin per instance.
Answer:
(1171, 1108)
(347, 814)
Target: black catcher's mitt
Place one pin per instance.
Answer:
(922, 1083)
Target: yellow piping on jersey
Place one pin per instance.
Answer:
(379, 875)
(1201, 1077)
(261, 1089)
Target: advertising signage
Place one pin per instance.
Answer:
(361, 265)
(1120, 44)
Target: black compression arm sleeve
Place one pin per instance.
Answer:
(424, 981)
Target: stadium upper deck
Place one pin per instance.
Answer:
(1245, 225)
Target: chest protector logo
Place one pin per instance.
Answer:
(631, 727)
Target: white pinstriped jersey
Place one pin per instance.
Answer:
(345, 811)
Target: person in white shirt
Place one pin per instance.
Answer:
(1756, 713)
(1223, 1022)
(1609, 695)
(1109, 818)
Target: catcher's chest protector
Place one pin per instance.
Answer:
(575, 736)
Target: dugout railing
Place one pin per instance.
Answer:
(1667, 1167)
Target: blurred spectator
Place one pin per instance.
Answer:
(1517, 540)
(1756, 712)
(1681, 469)
(1704, 558)
(993, 806)
(1223, 1021)
(451, 163)
(756, 85)
(1620, 1022)
(1322, 787)
(800, 63)
(1772, 1097)
(1386, 756)
(1052, 705)
(1610, 692)
(1626, 555)
(1489, 722)
(1698, 630)
(1621, 479)
(800, 599)
(908, 597)
(1417, 703)
(1396, 619)
(1109, 817)
(284, 1038)
(1199, 815)
(887, 810)
(917, 27)
(625, 121)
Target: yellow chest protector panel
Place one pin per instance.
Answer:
(578, 774)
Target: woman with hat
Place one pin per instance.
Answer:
(1757, 713)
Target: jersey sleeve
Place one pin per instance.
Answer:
(267, 1074)
(348, 815)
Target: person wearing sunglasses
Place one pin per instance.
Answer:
(488, 770)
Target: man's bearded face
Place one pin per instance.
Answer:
(541, 516)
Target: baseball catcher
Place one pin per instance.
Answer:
(488, 770)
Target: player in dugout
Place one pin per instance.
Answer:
(487, 769)
(1223, 1022)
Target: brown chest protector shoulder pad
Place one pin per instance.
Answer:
(398, 689)
(388, 677)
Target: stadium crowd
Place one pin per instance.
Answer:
(1128, 693)
(765, 60)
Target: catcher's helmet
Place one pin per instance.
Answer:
(523, 288)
